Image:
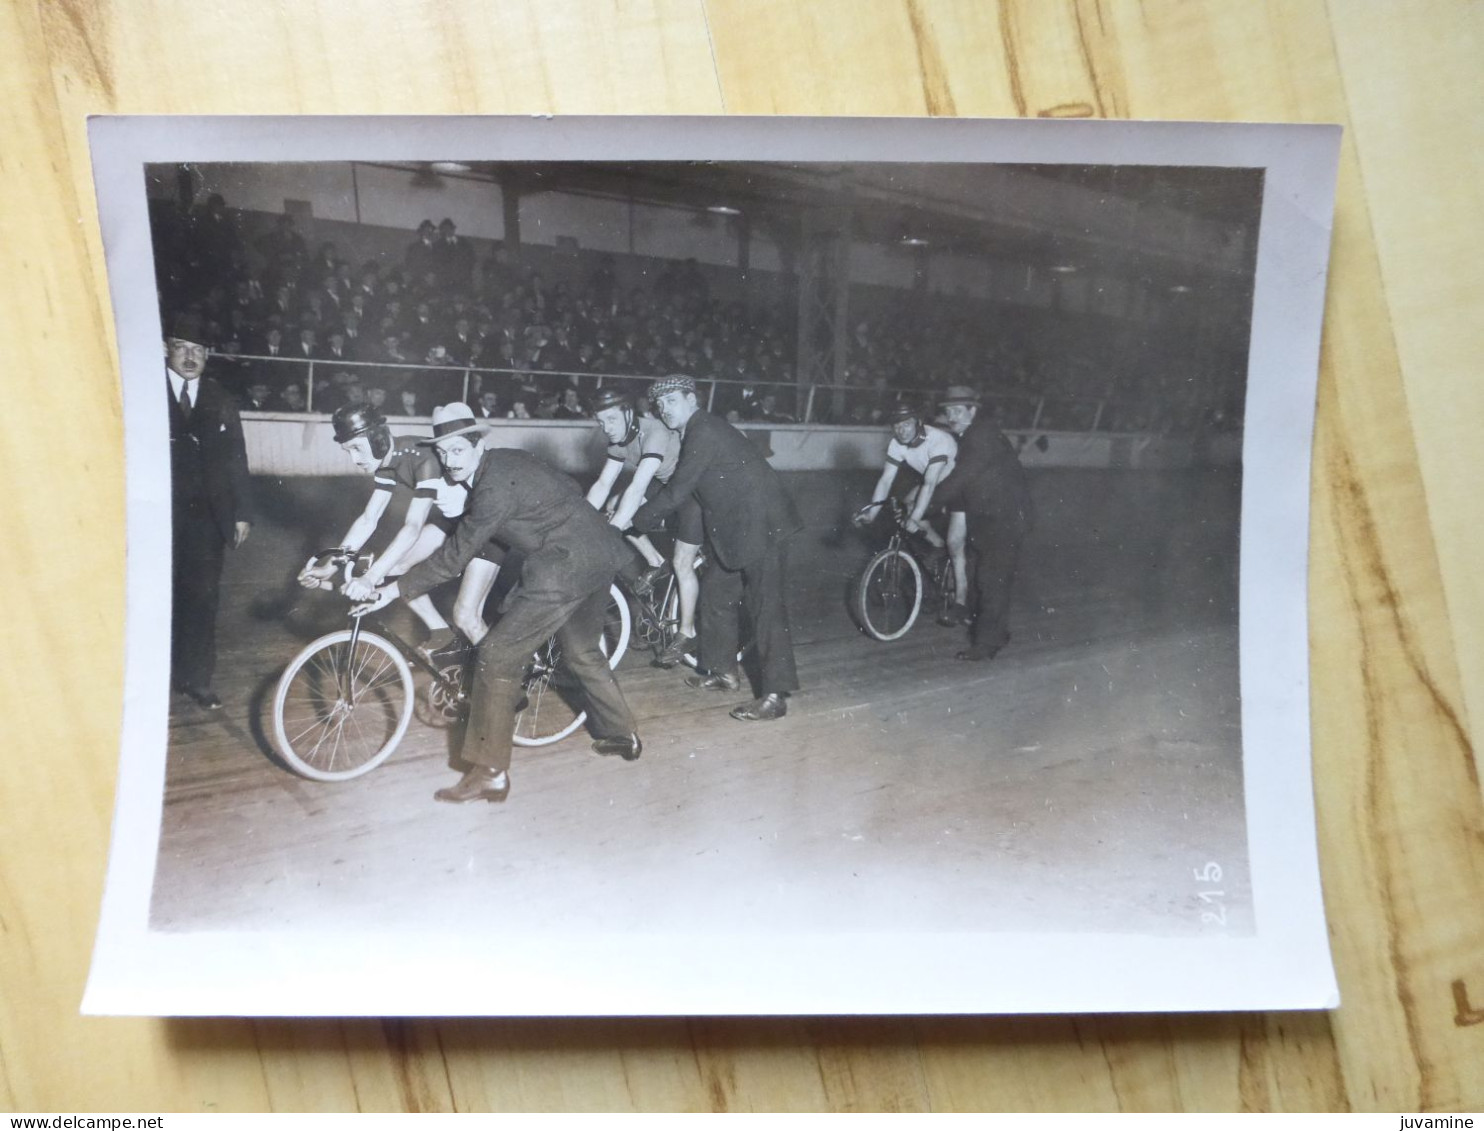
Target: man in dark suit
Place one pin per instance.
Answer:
(210, 505)
(748, 517)
(987, 484)
(570, 555)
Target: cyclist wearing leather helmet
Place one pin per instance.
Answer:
(644, 446)
(931, 452)
(403, 465)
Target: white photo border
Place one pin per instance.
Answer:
(1285, 964)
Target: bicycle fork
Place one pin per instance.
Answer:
(347, 686)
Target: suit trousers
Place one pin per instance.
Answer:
(759, 587)
(997, 544)
(198, 554)
(536, 613)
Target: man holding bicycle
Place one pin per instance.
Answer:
(931, 453)
(748, 518)
(988, 485)
(405, 466)
(570, 558)
(651, 451)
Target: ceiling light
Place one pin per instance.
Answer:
(724, 210)
(1064, 268)
(449, 167)
(1180, 289)
(914, 241)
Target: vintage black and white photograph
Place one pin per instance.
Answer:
(679, 551)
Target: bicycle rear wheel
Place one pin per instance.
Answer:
(888, 595)
(553, 698)
(341, 709)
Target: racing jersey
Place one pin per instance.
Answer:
(936, 446)
(413, 466)
(652, 441)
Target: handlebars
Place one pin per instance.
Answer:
(892, 504)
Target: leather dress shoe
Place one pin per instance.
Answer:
(761, 710)
(438, 640)
(628, 747)
(716, 681)
(676, 651)
(202, 696)
(442, 652)
(644, 584)
(477, 784)
(954, 615)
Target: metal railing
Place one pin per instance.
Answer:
(821, 403)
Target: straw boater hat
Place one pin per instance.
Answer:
(958, 394)
(454, 420)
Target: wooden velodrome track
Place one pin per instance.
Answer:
(1070, 785)
(1397, 602)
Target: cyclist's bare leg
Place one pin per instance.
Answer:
(652, 557)
(958, 539)
(474, 590)
(688, 584)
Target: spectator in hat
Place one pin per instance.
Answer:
(453, 258)
(211, 505)
(419, 258)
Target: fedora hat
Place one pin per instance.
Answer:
(187, 326)
(454, 419)
(958, 394)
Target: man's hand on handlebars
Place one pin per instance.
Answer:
(317, 576)
(360, 588)
(378, 599)
(866, 515)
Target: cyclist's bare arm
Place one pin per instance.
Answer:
(930, 481)
(360, 531)
(597, 494)
(412, 526)
(633, 496)
(879, 493)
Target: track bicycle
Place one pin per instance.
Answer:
(888, 596)
(656, 616)
(344, 703)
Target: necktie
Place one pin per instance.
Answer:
(185, 399)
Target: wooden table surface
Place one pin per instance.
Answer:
(1397, 607)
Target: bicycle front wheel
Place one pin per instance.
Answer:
(340, 710)
(888, 595)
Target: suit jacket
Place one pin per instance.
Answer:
(744, 505)
(208, 457)
(987, 477)
(514, 498)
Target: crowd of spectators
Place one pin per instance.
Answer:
(406, 331)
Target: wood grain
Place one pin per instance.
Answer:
(1397, 612)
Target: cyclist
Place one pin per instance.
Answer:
(931, 452)
(644, 446)
(407, 465)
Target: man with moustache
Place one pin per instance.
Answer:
(570, 555)
(211, 507)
